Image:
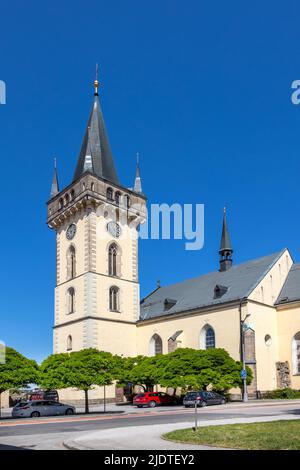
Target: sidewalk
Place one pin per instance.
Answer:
(149, 437)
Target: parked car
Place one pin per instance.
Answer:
(152, 399)
(36, 408)
(203, 398)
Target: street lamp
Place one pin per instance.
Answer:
(244, 375)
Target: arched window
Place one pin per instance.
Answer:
(113, 260)
(207, 338)
(114, 299)
(83, 186)
(71, 300)
(71, 262)
(118, 197)
(155, 345)
(127, 201)
(109, 194)
(72, 194)
(93, 186)
(296, 354)
(60, 203)
(66, 199)
(69, 343)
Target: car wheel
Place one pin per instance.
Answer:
(139, 406)
(203, 403)
(35, 414)
(152, 404)
(186, 406)
(69, 411)
(223, 402)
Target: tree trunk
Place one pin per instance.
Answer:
(0, 402)
(86, 399)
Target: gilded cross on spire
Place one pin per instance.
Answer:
(96, 82)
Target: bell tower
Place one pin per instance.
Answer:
(95, 219)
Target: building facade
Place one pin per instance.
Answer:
(97, 293)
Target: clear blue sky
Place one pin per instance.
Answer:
(201, 89)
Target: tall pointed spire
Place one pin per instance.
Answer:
(225, 247)
(96, 145)
(137, 182)
(54, 187)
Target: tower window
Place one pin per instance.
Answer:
(60, 203)
(69, 343)
(109, 194)
(71, 262)
(113, 260)
(66, 199)
(114, 300)
(72, 194)
(118, 197)
(71, 300)
(93, 186)
(155, 345)
(127, 200)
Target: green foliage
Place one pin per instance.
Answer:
(283, 393)
(17, 371)
(79, 369)
(186, 368)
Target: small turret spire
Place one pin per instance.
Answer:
(54, 187)
(96, 81)
(226, 250)
(137, 182)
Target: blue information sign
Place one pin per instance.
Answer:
(243, 374)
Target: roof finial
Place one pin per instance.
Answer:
(224, 209)
(137, 182)
(225, 246)
(96, 82)
(137, 158)
(54, 187)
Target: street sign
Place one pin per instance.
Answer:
(243, 374)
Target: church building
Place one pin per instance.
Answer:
(251, 308)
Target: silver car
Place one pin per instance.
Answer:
(36, 408)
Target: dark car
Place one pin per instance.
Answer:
(203, 398)
(153, 399)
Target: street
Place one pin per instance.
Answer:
(52, 432)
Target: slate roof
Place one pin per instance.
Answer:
(95, 155)
(291, 288)
(199, 292)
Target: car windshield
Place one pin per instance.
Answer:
(192, 394)
(22, 403)
(140, 395)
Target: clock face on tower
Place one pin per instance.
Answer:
(71, 230)
(114, 229)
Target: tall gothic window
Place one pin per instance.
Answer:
(113, 260)
(207, 338)
(109, 194)
(210, 339)
(114, 300)
(71, 300)
(118, 197)
(155, 345)
(71, 262)
(69, 343)
(296, 353)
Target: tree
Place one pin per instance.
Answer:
(191, 369)
(17, 371)
(79, 369)
(140, 370)
(186, 368)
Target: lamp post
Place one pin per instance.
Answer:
(244, 376)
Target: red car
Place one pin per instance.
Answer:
(152, 399)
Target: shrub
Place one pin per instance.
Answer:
(283, 393)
